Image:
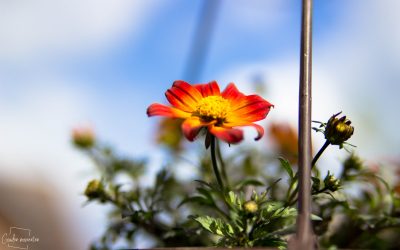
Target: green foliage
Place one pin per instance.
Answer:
(256, 208)
(260, 224)
(286, 165)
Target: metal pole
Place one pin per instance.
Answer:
(304, 236)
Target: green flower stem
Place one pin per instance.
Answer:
(214, 163)
(292, 197)
(322, 149)
(222, 164)
(292, 202)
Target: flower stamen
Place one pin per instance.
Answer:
(213, 108)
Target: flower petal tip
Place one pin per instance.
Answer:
(260, 131)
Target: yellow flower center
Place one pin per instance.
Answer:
(213, 108)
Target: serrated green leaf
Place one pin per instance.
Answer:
(286, 165)
(232, 198)
(215, 226)
(271, 241)
(205, 222)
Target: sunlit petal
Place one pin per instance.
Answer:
(260, 131)
(229, 135)
(232, 93)
(188, 90)
(180, 99)
(210, 88)
(191, 127)
(157, 109)
(203, 105)
(252, 108)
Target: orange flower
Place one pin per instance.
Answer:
(286, 140)
(204, 106)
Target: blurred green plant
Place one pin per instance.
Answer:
(255, 206)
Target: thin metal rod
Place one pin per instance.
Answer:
(305, 238)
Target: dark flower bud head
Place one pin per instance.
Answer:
(338, 130)
(94, 189)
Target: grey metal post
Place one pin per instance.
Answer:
(304, 235)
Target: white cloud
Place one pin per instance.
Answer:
(354, 71)
(35, 146)
(363, 53)
(282, 87)
(256, 15)
(36, 29)
(39, 106)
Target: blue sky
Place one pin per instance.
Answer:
(103, 62)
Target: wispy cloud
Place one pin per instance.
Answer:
(38, 29)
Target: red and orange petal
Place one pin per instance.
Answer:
(208, 89)
(191, 127)
(184, 96)
(232, 93)
(157, 109)
(259, 129)
(254, 109)
(229, 135)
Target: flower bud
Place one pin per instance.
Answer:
(338, 130)
(95, 189)
(83, 137)
(353, 162)
(331, 183)
(250, 207)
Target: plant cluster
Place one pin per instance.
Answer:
(245, 199)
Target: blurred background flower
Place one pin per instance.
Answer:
(284, 140)
(65, 62)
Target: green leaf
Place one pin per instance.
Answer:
(215, 226)
(232, 198)
(204, 183)
(249, 182)
(264, 194)
(206, 194)
(316, 184)
(196, 199)
(286, 165)
(271, 241)
(316, 217)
